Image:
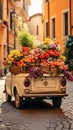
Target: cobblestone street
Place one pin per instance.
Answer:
(36, 116)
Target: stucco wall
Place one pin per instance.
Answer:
(56, 9)
(35, 21)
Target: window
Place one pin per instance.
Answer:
(46, 0)
(37, 30)
(11, 15)
(53, 28)
(0, 10)
(7, 7)
(65, 23)
(47, 29)
(24, 4)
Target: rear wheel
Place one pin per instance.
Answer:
(57, 101)
(18, 101)
(8, 97)
(38, 99)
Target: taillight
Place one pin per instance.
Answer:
(26, 82)
(63, 81)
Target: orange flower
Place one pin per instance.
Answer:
(24, 64)
(65, 67)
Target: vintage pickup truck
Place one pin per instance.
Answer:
(50, 87)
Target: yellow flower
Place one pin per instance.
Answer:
(63, 58)
(15, 57)
(48, 41)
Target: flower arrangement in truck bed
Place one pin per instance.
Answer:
(13, 59)
(48, 58)
(45, 58)
(55, 60)
(51, 55)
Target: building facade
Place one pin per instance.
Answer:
(10, 10)
(21, 9)
(6, 28)
(58, 19)
(35, 26)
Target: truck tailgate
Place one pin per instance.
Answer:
(46, 84)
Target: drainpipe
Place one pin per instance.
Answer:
(43, 21)
(7, 32)
(48, 19)
(7, 40)
(14, 13)
(7, 7)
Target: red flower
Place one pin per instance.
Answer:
(42, 56)
(47, 54)
(25, 49)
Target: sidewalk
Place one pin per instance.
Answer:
(3, 78)
(2, 82)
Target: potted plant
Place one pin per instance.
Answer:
(25, 39)
(69, 52)
(13, 61)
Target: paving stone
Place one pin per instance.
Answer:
(2, 125)
(50, 128)
(72, 126)
(66, 124)
(59, 127)
(59, 119)
(65, 129)
(0, 120)
(8, 128)
(7, 123)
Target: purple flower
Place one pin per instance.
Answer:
(53, 46)
(68, 75)
(35, 72)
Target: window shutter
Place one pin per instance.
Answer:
(66, 23)
(11, 20)
(53, 28)
(0, 10)
(47, 29)
(46, 0)
(24, 4)
(37, 32)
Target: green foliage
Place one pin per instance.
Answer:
(69, 43)
(69, 52)
(44, 47)
(70, 64)
(26, 39)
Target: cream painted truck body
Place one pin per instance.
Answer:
(41, 88)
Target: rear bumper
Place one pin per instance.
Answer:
(45, 95)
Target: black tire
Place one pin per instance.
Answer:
(38, 99)
(18, 101)
(57, 101)
(8, 97)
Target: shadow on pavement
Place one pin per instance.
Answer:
(32, 106)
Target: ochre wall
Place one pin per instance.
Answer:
(56, 9)
(32, 24)
(45, 18)
(3, 29)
